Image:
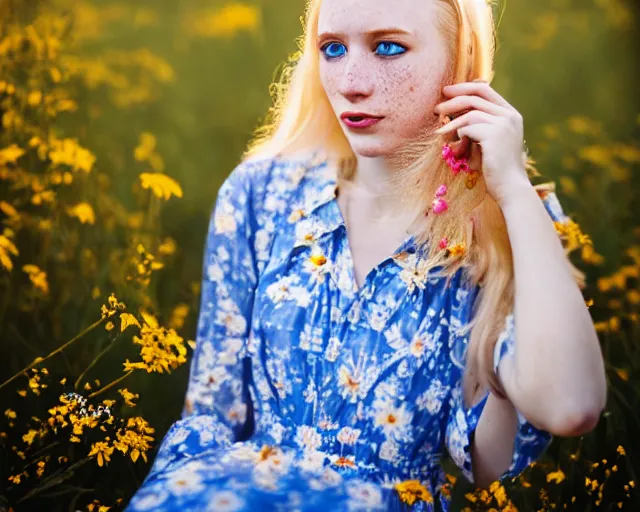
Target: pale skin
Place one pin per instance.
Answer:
(556, 379)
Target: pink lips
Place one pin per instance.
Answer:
(359, 119)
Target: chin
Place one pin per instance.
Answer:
(371, 148)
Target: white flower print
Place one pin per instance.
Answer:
(380, 312)
(394, 337)
(326, 424)
(365, 496)
(225, 501)
(432, 398)
(215, 272)
(348, 435)
(274, 204)
(281, 290)
(422, 343)
(414, 272)
(227, 314)
(307, 232)
(317, 264)
(393, 421)
(312, 461)
(225, 223)
(178, 437)
(349, 384)
(185, 480)
(309, 393)
(390, 451)
(301, 296)
(308, 438)
(295, 215)
(333, 349)
(151, 498)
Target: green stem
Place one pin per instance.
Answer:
(93, 363)
(37, 361)
(110, 385)
(50, 482)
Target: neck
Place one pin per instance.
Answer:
(370, 192)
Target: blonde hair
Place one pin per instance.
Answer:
(302, 115)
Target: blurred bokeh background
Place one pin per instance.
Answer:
(120, 120)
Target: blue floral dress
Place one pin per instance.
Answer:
(307, 393)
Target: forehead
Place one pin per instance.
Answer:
(361, 16)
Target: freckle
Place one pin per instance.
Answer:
(411, 88)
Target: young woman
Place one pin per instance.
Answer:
(380, 290)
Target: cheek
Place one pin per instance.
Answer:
(329, 79)
(412, 93)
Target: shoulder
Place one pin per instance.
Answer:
(278, 185)
(261, 191)
(547, 194)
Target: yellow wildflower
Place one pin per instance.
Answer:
(30, 436)
(556, 476)
(113, 307)
(620, 450)
(178, 316)
(168, 247)
(128, 397)
(16, 479)
(457, 250)
(499, 492)
(149, 319)
(102, 451)
(411, 491)
(10, 154)
(37, 277)
(69, 152)
(161, 185)
(34, 98)
(8, 209)
(162, 350)
(624, 375)
(226, 21)
(633, 296)
(135, 438)
(127, 319)
(83, 212)
(10, 413)
(41, 467)
(7, 249)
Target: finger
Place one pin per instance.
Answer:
(460, 103)
(471, 117)
(475, 160)
(476, 132)
(482, 89)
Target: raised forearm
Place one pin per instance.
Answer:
(557, 376)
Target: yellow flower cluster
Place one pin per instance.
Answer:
(162, 349)
(135, 439)
(411, 491)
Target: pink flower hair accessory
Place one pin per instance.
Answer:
(456, 164)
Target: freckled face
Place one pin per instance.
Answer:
(396, 76)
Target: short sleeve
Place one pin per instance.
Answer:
(218, 372)
(530, 442)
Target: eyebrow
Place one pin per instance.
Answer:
(373, 33)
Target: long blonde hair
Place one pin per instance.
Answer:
(474, 225)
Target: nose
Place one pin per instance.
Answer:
(357, 81)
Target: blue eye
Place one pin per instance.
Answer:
(390, 49)
(334, 50)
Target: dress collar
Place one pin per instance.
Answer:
(321, 203)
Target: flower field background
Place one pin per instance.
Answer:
(120, 120)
